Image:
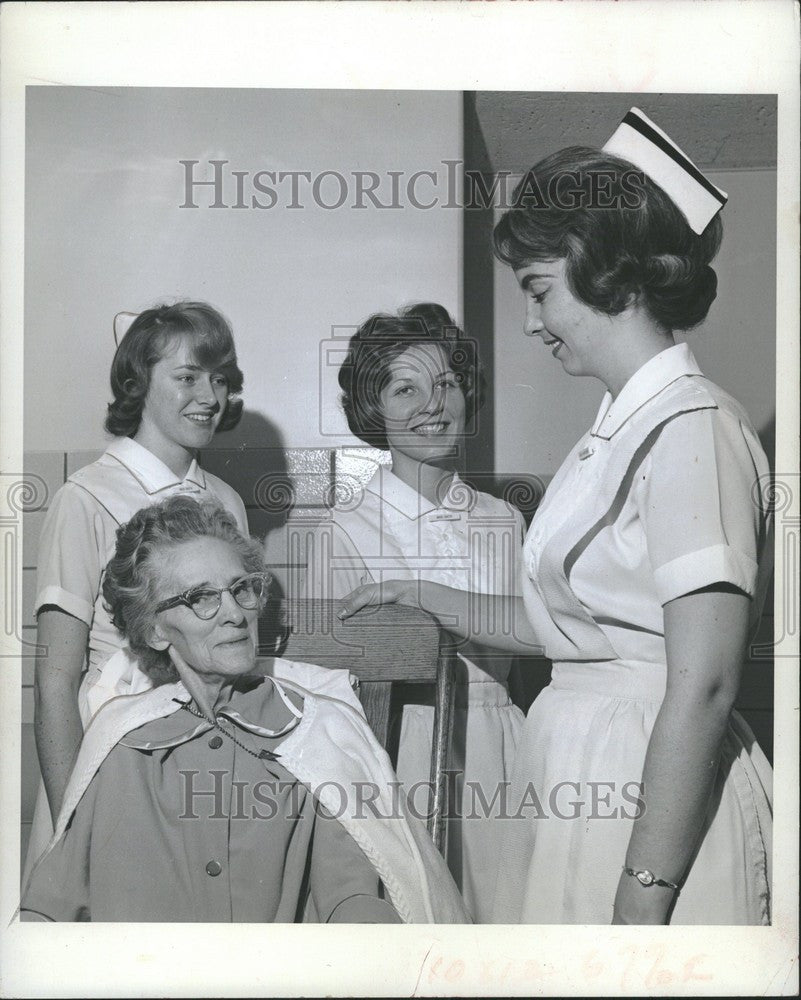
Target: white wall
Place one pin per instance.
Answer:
(541, 411)
(104, 233)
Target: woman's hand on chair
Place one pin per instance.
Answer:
(374, 594)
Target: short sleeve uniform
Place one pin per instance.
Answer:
(470, 541)
(661, 498)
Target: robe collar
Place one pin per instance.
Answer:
(257, 698)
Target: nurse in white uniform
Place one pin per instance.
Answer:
(410, 383)
(174, 378)
(638, 795)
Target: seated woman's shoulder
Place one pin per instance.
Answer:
(312, 677)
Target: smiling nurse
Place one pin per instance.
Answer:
(411, 383)
(645, 567)
(172, 378)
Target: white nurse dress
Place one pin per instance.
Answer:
(470, 541)
(662, 497)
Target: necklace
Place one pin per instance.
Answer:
(261, 755)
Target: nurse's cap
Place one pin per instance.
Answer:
(122, 322)
(641, 142)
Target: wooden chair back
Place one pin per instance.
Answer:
(379, 646)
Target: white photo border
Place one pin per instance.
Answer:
(717, 47)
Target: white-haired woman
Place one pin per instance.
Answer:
(223, 794)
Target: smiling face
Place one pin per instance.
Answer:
(423, 406)
(223, 646)
(577, 333)
(184, 403)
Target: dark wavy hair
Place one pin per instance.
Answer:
(149, 338)
(130, 581)
(385, 336)
(640, 246)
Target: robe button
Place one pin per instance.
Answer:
(215, 743)
(213, 868)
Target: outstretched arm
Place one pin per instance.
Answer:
(496, 621)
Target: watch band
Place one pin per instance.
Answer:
(646, 878)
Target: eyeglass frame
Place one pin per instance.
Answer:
(183, 598)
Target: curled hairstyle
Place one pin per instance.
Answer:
(620, 235)
(381, 339)
(130, 582)
(151, 335)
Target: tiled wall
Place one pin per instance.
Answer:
(282, 488)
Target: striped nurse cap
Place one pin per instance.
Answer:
(641, 142)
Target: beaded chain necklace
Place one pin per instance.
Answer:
(261, 755)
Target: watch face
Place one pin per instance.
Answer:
(646, 877)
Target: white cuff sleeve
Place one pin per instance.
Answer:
(75, 606)
(694, 570)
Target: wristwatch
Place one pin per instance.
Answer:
(646, 878)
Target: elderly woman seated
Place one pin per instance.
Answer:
(224, 793)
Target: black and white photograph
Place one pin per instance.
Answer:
(400, 503)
